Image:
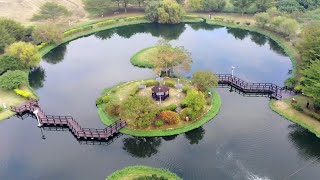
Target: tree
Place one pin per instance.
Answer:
(164, 12)
(99, 7)
(309, 4)
(138, 109)
(196, 101)
(196, 4)
(51, 11)
(27, 53)
(15, 29)
(13, 79)
(214, 5)
(289, 6)
(309, 44)
(204, 80)
(8, 62)
(284, 26)
(262, 19)
(263, 5)
(5, 39)
(170, 117)
(310, 82)
(242, 5)
(168, 58)
(37, 77)
(47, 33)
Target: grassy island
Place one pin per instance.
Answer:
(174, 115)
(142, 172)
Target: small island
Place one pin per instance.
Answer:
(143, 172)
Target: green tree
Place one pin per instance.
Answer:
(8, 62)
(262, 19)
(309, 44)
(204, 80)
(27, 53)
(51, 11)
(171, 59)
(214, 5)
(289, 6)
(47, 33)
(140, 110)
(242, 5)
(5, 39)
(13, 79)
(164, 12)
(99, 7)
(195, 100)
(196, 5)
(309, 4)
(284, 26)
(263, 5)
(15, 29)
(310, 82)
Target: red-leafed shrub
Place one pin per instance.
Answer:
(170, 117)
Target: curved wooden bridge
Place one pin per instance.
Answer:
(33, 107)
(270, 89)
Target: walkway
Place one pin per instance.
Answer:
(33, 107)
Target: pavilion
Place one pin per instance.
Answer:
(160, 92)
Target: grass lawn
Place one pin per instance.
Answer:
(285, 109)
(144, 58)
(123, 90)
(131, 172)
(12, 99)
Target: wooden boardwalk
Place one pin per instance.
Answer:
(68, 121)
(270, 89)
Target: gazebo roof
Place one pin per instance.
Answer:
(160, 88)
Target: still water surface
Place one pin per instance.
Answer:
(245, 141)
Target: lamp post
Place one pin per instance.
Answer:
(232, 69)
(160, 94)
(36, 113)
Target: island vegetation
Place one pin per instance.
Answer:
(294, 24)
(143, 173)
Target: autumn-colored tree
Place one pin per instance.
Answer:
(47, 33)
(170, 117)
(204, 80)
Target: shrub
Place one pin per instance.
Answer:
(297, 107)
(290, 82)
(247, 23)
(47, 33)
(196, 101)
(8, 62)
(151, 83)
(185, 89)
(22, 93)
(170, 117)
(104, 99)
(262, 19)
(217, 18)
(1, 109)
(185, 113)
(27, 53)
(158, 123)
(171, 107)
(72, 32)
(42, 45)
(13, 79)
(104, 23)
(113, 108)
(133, 18)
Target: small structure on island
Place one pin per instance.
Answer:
(160, 92)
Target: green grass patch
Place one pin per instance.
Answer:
(143, 58)
(285, 109)
(132, 172)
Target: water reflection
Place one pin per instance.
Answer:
(37, 77)
(195, 136)
(103, 35)
(169, 138)
(258, 38)
(307, 144)
(204, 26)
(274, 46)
(238, 33)
(56, 55)
(141, 147)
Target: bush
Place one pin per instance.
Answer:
(104, 99)
(77, 30)
(151, 83)
(134, 91)
(27, 53)
(42, 45)
(134, 18)
(164, 12)
(170, 117)
(196, 101)
(1, 109)
(158, 123)
(171, 107)
(217, 18)
(22, 93)
(284, 26)
(8, 62)
(290, 82)
(113, 108)
(185, 113)
(13, 79)
(47, 33)
(262, 19)
(104, 23)
(297, 107)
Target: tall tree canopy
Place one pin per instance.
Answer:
(27, 53)
(51, 11)
(164, 11)
(99, 7)
(242, 5)
(204, 80)
(263, 5)
(310, 81)
(47, 33)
